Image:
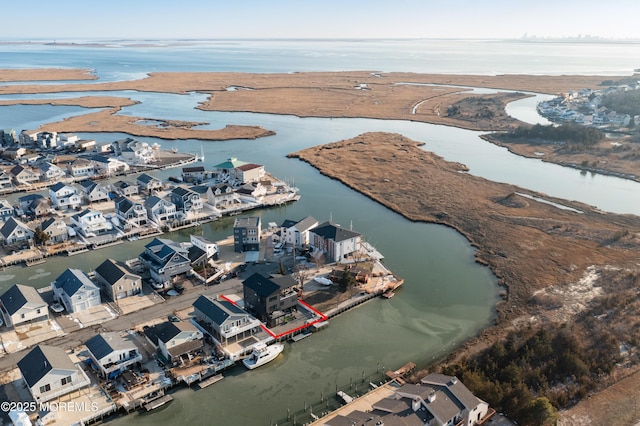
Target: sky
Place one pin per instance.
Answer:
(215, 19)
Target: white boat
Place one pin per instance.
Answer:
(262, 354)
(323, 280)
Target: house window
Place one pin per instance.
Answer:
(65, 380)
(45, 388)
(22, 316)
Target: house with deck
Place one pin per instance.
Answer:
(226, 322)
(56, 229)
(13, 231)
(175, 339)
(64, 196)
(113, 353)
(125, 188)
(21, 305)
(194, 174)
(130, 213)
(159, 210)
(6, 183)
(296, 233)
(186, 200)
(80, 167)
(50, 172)
(108, 166)
(270, 299)
(6, 211)
(91, 223)
(148, 184)
(23, 175)
(49, 373)
(165, 260)
(93, 192)
(334, 241)
(75, 290)
(116, 280)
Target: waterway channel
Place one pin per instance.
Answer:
(446, 298)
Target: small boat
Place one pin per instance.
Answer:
(323, 280)
(262, 354)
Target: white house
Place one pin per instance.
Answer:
(296, 234)
(48, 373)
(6, 211)
(108, 166)
(138, 152)
(22, 304)
(112, 353)
(75, 291)
(130, 212)
(209, 247)
(13, 231)
(64, 196)
(175, 339)
(160, 211)
(50, 172)
(24, 175)
(80, 168)
(91, 223)
(334, 241)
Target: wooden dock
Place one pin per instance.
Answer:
(158, 402)
(211, 380)
(300, 336)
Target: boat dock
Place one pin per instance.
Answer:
(158, 402)
(211, 380)
(346, 398)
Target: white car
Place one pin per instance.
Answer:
(56, 307)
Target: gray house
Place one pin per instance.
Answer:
(160, 211)
(22, 304)
(48, 373)
(112, 353)
(148, 183)
(246, 234)
(165, 260)
(93, 192)
(116, 280)
(14, 232)
(224, 321)
(270, 299)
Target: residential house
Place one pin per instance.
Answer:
(56, 229)
(108, 166)
(148, 184)
(186, 200)
(80, 168)
(6, 211)
(113, 353)
(28, 137)
(175, 339)
(9, 137)
(50, 172)
(24, 175)
(93, 192)
(91, 223)
(130, 212)
(33, 205)
(252, 192)
(438, 400)
(47, 139)
(86, 144)
(334, 241)
(124, 188)
(269, 299)
(137, 152)
(64, 196)
(160, 211)
(246, 234)
(165, 260)
(75, 290)
(30, 159)
(223, 320)
(219, 195)
(209, 247)
(250, 172)
(13, 153)
(26, 202)
(116, 280)
(22, 304)
(194, 174)
(6, 183)
(296, 234)
(228, 171)
(68, 140)
(49, 373)
(15, 232)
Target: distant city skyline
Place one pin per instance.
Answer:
(197, 19)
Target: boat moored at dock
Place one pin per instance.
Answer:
(262, 354)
